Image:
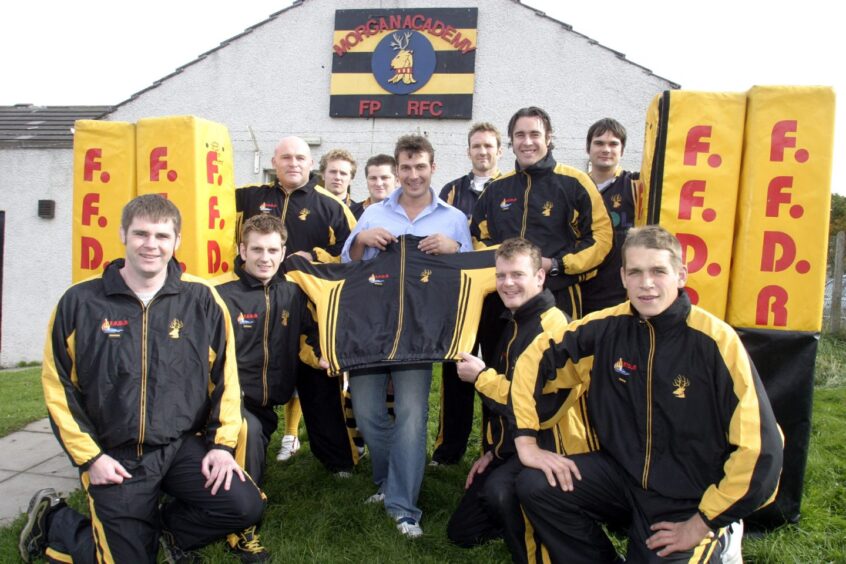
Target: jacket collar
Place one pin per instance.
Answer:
(532, 308)
(672, 317)
(113, 282)
(543, 166)
(307, 187)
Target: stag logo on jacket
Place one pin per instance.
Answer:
(283, 318)
(246, 320)
(624, 368)
(506, 203)
(424, 276)
(113, 328)
(267, 207)
(547, 209)
(616, 201)
(378, 279)
(175, 327)
(403, 62)
(680, 383)
(303, 215)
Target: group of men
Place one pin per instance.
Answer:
(607, 397)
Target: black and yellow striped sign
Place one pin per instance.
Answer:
(416, 63)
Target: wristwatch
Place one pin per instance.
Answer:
(553, 270)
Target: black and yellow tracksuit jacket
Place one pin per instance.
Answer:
(673, 399)
(401, 306)
(357, 208)
(119, 374)
(316, 220)
(606, 288)
(273, 326)
(556, 207)
(537, 316)
(460, 194)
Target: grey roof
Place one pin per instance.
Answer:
(26, 126)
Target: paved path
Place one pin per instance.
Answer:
(31, 459)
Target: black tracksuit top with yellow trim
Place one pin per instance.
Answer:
(460, 194)
(606, 289)
(317, 221)
(118, 374)
(674, 400)
(273, 327)
(536, 316)
(401, 306)
(556, 207)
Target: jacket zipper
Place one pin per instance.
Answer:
(526, 204)
(507, 369)
(264, 346)
(142, 408)
(401, 301)
(648, 456)
(285, 205)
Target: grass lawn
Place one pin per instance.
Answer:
(314, 517)
(21, 399)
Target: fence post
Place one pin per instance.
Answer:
(837, 286)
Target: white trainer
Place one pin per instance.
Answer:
(378, 497)
(290, 446)
(732, 553)
(409, 527)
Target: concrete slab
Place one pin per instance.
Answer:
(16, 492)
(59, 465)
(23, 450)
(41, 426)
(6, 474)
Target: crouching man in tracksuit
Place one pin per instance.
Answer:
(688, 440)
(268, 316)
(141, 387)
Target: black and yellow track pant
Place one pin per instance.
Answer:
(125, 518)
(490, 510)
(569, 523)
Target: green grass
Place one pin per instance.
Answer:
(22, 399)
(830, 369)
(314, 517)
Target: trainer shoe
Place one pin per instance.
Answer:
(378, 497)
(731, 543)
(173, 554)
(409, 527)
(290, 446)
(247, 546)
(33, 538)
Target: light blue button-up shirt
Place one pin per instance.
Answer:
(437, 217)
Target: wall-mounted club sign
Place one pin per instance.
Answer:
(410, 63)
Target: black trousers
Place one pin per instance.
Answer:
(261, 424)
(569, 523)
(323, 411)
(490, 510)
(125, 518)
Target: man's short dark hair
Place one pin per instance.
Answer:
(153, 207)
(517, 246)
(531, 111)
(263, 224)
(414, 144)
(484, 126)
(654, 237)
(381, 160)
(338, 155)
(604, 125)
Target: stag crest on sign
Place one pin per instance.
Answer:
(681, 383)
(403, 61)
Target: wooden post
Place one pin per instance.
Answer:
(837, 286)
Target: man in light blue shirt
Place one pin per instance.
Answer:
(398, 447)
